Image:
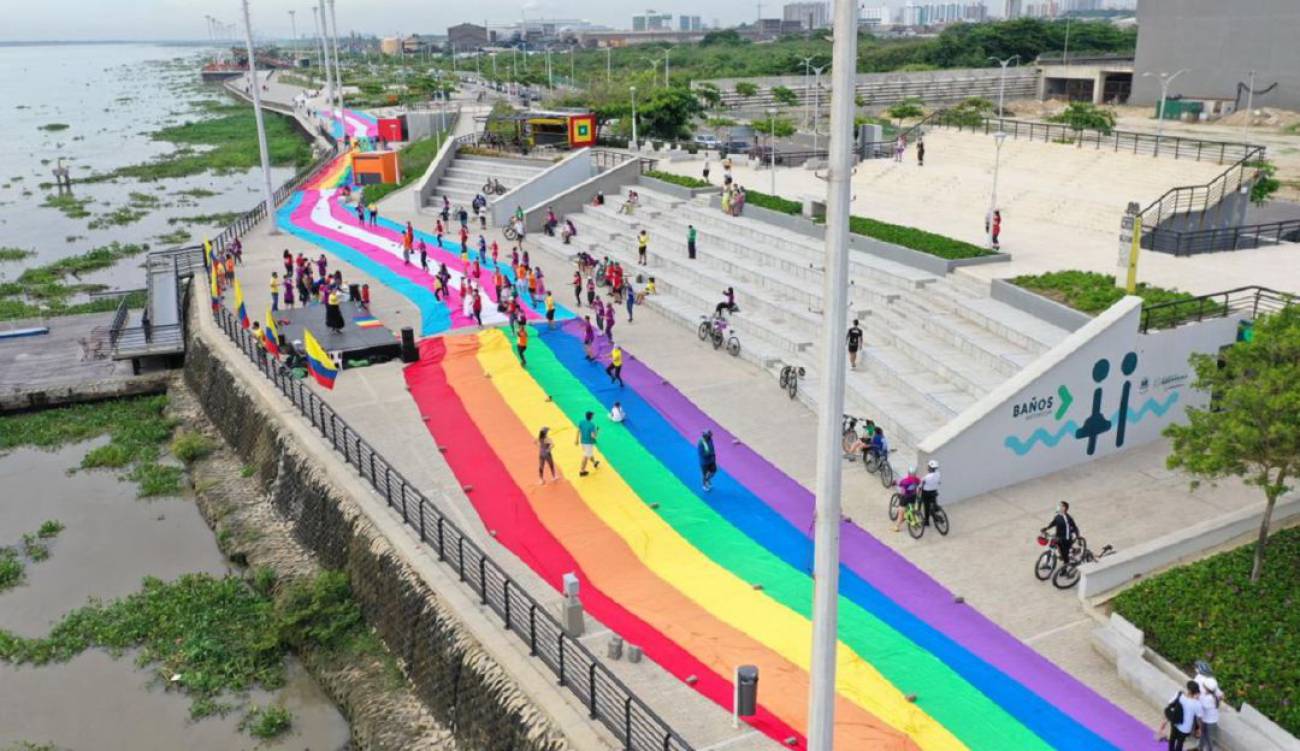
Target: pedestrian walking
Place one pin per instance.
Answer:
(708, 459)
(591, 292)
(288, 262)
(1211, 699)
(997, 229)
(275, 291)
(690, 241)
(374, 215)
(609, 322)
(577, 288)
(920, 152)
(854, 339)
(629, 299)
(642, 241)
(706, 169)
(615, 368)
(588, 337)
(288, 294)
(544, 458)
(550, 311)
(586, 438)
(478, 309)
(424, 256)
(521, 341)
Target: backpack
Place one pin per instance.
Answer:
(1174, 710)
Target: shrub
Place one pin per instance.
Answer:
(1249, 633)
(908, 108)
(775, 203)
(1086, 116)
(916, 239)
(50, 529)
(11, 569)
(746, 89)
(1091, 292)
(189, 446)
(682, 180)
(267, 722)
(1265, 184)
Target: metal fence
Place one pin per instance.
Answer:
(1252, 301)
(1221, 238)
(1176, 147)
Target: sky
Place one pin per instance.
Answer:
(183, 19)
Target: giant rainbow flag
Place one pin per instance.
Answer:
(318, 214)
(705, 582)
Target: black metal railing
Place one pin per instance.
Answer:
(1250, 302)
(1186, 200)
(119, 321)
(1176, 147)
(1192, 242)
(606, 698)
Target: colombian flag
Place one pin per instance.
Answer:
(271, 335)
(239, 306)
(216, 293)
(319, 364)
(207, 253)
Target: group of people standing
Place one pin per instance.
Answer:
(307, 282)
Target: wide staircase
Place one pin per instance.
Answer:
(467, 174)
(934, 345)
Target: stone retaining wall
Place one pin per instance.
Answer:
(464, 688)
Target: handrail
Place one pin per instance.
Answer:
(1216, 239)
(1252, 300)
(1186, 195)
(607, 698)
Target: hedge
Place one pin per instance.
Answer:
(682, 180)
(1091, 292)
(1250, 634)
(908, 237)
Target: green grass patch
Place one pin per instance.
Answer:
(35, 550)
(190, 446)
(53, 127)
(223, 144)
(1091, 292)
(137, 429)
(12, 570)
(50, 529)
(44, 290)
(266, 723)
(15, 254)
(118, 217)
(413, 160)
(217, 636)
(682, 180)
(916, 239)
(1249, 633)
(197, 193)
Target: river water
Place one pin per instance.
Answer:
(111, 541)
(112, 96)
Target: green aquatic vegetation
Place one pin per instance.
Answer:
(53, 127)
(144, 200)
(71, 206)
(33, 549)
(197, 193)
(190, 446)
(175, 237)
(155, 480)
(50, 529)
(266, 723)
(219, 219)
(119, 217)
(12, 570)
(15, 254)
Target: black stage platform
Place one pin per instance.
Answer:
(371, 343)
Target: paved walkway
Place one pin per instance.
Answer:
(1061, 207)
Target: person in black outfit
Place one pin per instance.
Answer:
(1065, 528)
(855, 343)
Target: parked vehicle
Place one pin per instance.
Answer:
(707, 140)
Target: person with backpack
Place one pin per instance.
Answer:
(1181, 715)
(1211, 699)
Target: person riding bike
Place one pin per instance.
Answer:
(907, 491)
(864, 440)
(930, 489)
(1064, 529)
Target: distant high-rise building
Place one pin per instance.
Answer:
(872, 18)
(652, 20)
(932, 14)
(809, 15)
(689, 23)
(1011, 9)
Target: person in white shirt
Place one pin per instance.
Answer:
(1192, 710)
(930, 489)
(1211, 698)
(616, 413)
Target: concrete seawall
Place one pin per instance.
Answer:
(463, 686)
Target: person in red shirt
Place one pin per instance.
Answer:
(478, 307)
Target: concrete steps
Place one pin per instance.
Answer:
(466, 175)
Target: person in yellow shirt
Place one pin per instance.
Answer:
(642, 241)
(275, 291)
(550, 310)
(615, 368)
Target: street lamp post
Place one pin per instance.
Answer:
(1002, 84)
(256, 90)
(830, 398)
(807, 73)
(1250, 105)
(317, 17)
(666, 52)
(1166, 81)
(817, 102)
(573, 74)
(550, 80)
(609, 63)
(293, 30)
(998, 139)
(635, 146)
(771, 145)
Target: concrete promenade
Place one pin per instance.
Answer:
(987, 559)
(1061, 206)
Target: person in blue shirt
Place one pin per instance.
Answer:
(587, 432)
(708, 459)
(879, 447)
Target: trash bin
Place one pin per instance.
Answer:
(747, 690)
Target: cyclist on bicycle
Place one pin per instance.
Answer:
(907, 489)
(879, 448)
(1064, 528)
(864, 440)
(930, 489)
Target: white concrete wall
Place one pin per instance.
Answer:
(575, 168)
(1029, 426)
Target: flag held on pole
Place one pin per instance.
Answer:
(239, 306)
(319, 364)
(271, 335)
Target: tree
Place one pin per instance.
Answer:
(667, 113)
(908, 108)
(746, 89)
(1086, 116)
(785, 96)
(969, 114)
(1250, 428)
(1265, 183)
(782, 127)
(724, 37)
(709, 94)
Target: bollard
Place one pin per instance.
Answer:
(615, 649)
(633, 653)
(409, 352)
(746, 697)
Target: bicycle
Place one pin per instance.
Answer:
(1045, 566)
(849, 433)
(914, 516)
(511, 234)
(1068, 574)
(714, 329)
(790, 375)
(879, 464)
(494, 187)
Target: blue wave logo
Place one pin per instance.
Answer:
(1051, 439)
